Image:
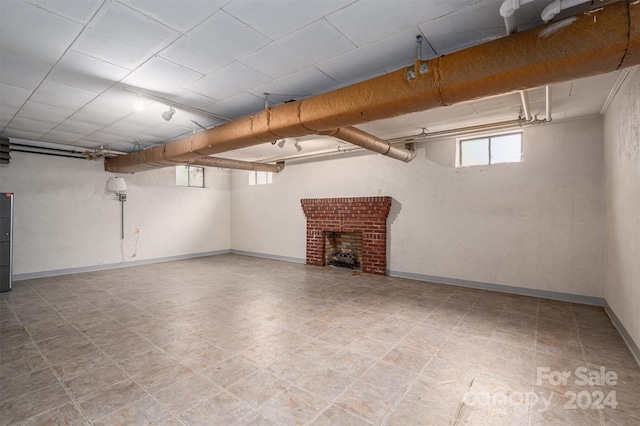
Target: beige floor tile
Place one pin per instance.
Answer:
(256, 418)
(12, 388)
(146, 411)
(229, 371)
(325, 383)
(308, 336)
(107, 400)
(10, 368)
(403, 357)
(145, 361)
(222, 409)
(66, 415)
(334, 416)
(410, 413)
(186, 392)
(257, 388)
(162, 376)
(81, 365)
(349, 363)
(367, 401)
(98, 378)
(293, 406)
(291, 366)
(32, 404)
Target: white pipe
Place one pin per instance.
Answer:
(458, 132)
(549, 12)
(524, 97)
(548, 103)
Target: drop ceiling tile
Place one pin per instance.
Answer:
(93, 113)
(12, 96)
(594, 84)
(237, 106)
(34, 32)
(229, 81)
(27, 125)
(6, 114)
(55, 94)
(368, 21)
(446, 114)
(296, 86)
(123, 37)
(391, 53)
(105, 139)
(47, 113)
(380, 127)
(78, 11)
(164, 132)
(128, 130)
(123, 146)
(14, 133)
(150, 116)
(77, 127)
(118, 101)
(216, 42)
(277, 19)
(61, 137)
(86, 72)
(308, 46)
(65, 138)
(496, 103)
(161, 76)
(178, 15)
(191, 99)
(475, 24)
(581, 105)
(20, 71)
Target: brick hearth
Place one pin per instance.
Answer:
(365, 215)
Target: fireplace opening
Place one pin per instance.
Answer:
(344, 260)
(343, 249)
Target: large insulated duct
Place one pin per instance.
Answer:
(372, 143)
(225, 163)
(596, 42)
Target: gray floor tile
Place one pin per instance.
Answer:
(236, 340)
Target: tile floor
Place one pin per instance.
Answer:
(238, 340)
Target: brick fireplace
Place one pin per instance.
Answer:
(366, 216)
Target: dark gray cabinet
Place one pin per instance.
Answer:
(6, 236)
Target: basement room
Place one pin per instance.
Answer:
(319, 212)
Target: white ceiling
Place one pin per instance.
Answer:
(64, 64)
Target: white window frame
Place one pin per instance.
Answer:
(260, 178)
(487, 136)
(189, 167)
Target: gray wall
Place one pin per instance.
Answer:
(536, 224)
(622, 214)
(64, 218)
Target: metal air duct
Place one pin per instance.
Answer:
(596, 42)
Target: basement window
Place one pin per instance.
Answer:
(260, 178)
(190, 176)
(486, 150)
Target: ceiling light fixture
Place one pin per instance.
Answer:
(175, 104)
(168, 114)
